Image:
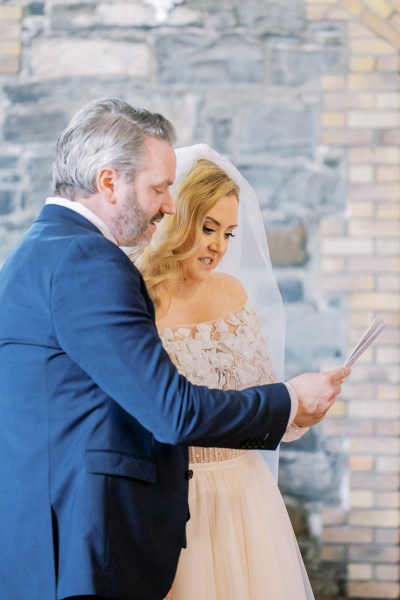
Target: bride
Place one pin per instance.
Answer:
(220, 317)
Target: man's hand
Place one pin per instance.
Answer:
(316, 393)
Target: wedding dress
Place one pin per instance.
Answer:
(240, 542)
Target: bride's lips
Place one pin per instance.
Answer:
(207, 262)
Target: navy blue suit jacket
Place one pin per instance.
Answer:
(95, 420)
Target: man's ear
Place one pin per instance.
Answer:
(106, 180)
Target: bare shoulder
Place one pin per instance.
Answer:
(229, 290)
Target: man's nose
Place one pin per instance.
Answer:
(167, 205)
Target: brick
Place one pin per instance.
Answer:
(388, 392)
(10, 48)
(361, 463)
(387, 248)
(389, 100)
(373, 590)
(375, 372)
(316, 12)
(359, 571)
(362, 209)
(345, 100)
(332, 553)
(372, 81)
(374, 553)
(372, 518)
(388, 427)
(360, 318)
(333, 82)
(361, 535)
(370, 46)
(388, 499)
(354, 6)
(388, 283)
(387, 572)
(374, 228)
(338, 409)
(380, 7)
(363, 410)
(343, 246)
(389, 137)
(338, 13)
(382, 191)
(387, 537)
(358, 30)
(375, 445)
(333, 265)
(376, 301)
(10, 30)
(361, 499)
(348, 282)
(376, 155)
(389, 174)
(388, 464)
(333, 516)
(377, 118)
(361, 174)
(9, 66)
(333, 119)
(346, 137)
(362, 64)
(333, 226)
(388, 63)
(346, 427)
(389, 355)
(11, 13)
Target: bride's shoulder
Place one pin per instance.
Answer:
(229, 289)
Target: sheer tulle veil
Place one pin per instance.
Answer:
(247, 258)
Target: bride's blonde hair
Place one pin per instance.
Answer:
(178, 236)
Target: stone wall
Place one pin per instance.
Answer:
(303, 96)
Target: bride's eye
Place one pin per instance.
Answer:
(230, 235)
(208, 230)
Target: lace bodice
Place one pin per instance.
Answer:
(228, 353)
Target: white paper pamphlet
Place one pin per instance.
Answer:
(376, 327)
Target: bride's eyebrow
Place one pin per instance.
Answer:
(217, 223)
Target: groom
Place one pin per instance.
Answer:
(94, 418)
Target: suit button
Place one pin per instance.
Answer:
(189, 474)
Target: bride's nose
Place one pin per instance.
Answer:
(217, 244)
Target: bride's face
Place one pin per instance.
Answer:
(217, 232)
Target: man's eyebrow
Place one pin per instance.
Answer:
(218, 223)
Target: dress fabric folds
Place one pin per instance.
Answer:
(240, 542)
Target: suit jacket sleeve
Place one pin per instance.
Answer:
(104, 322)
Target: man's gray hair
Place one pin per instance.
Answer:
(106, 132)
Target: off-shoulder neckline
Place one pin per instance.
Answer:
(210, 322)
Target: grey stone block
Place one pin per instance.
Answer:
(34, 9)
(291, 290)
(8, 162)
(296, 64)
(195, 60)
(7, 201)
(35, 127)
(287, 244)
(298, 188)
(282, 130)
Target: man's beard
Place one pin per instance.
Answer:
(131, 223)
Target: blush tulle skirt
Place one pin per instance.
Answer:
(240, 542)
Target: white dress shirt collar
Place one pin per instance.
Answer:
(85, 212)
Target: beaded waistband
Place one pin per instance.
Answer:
(208, 455)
